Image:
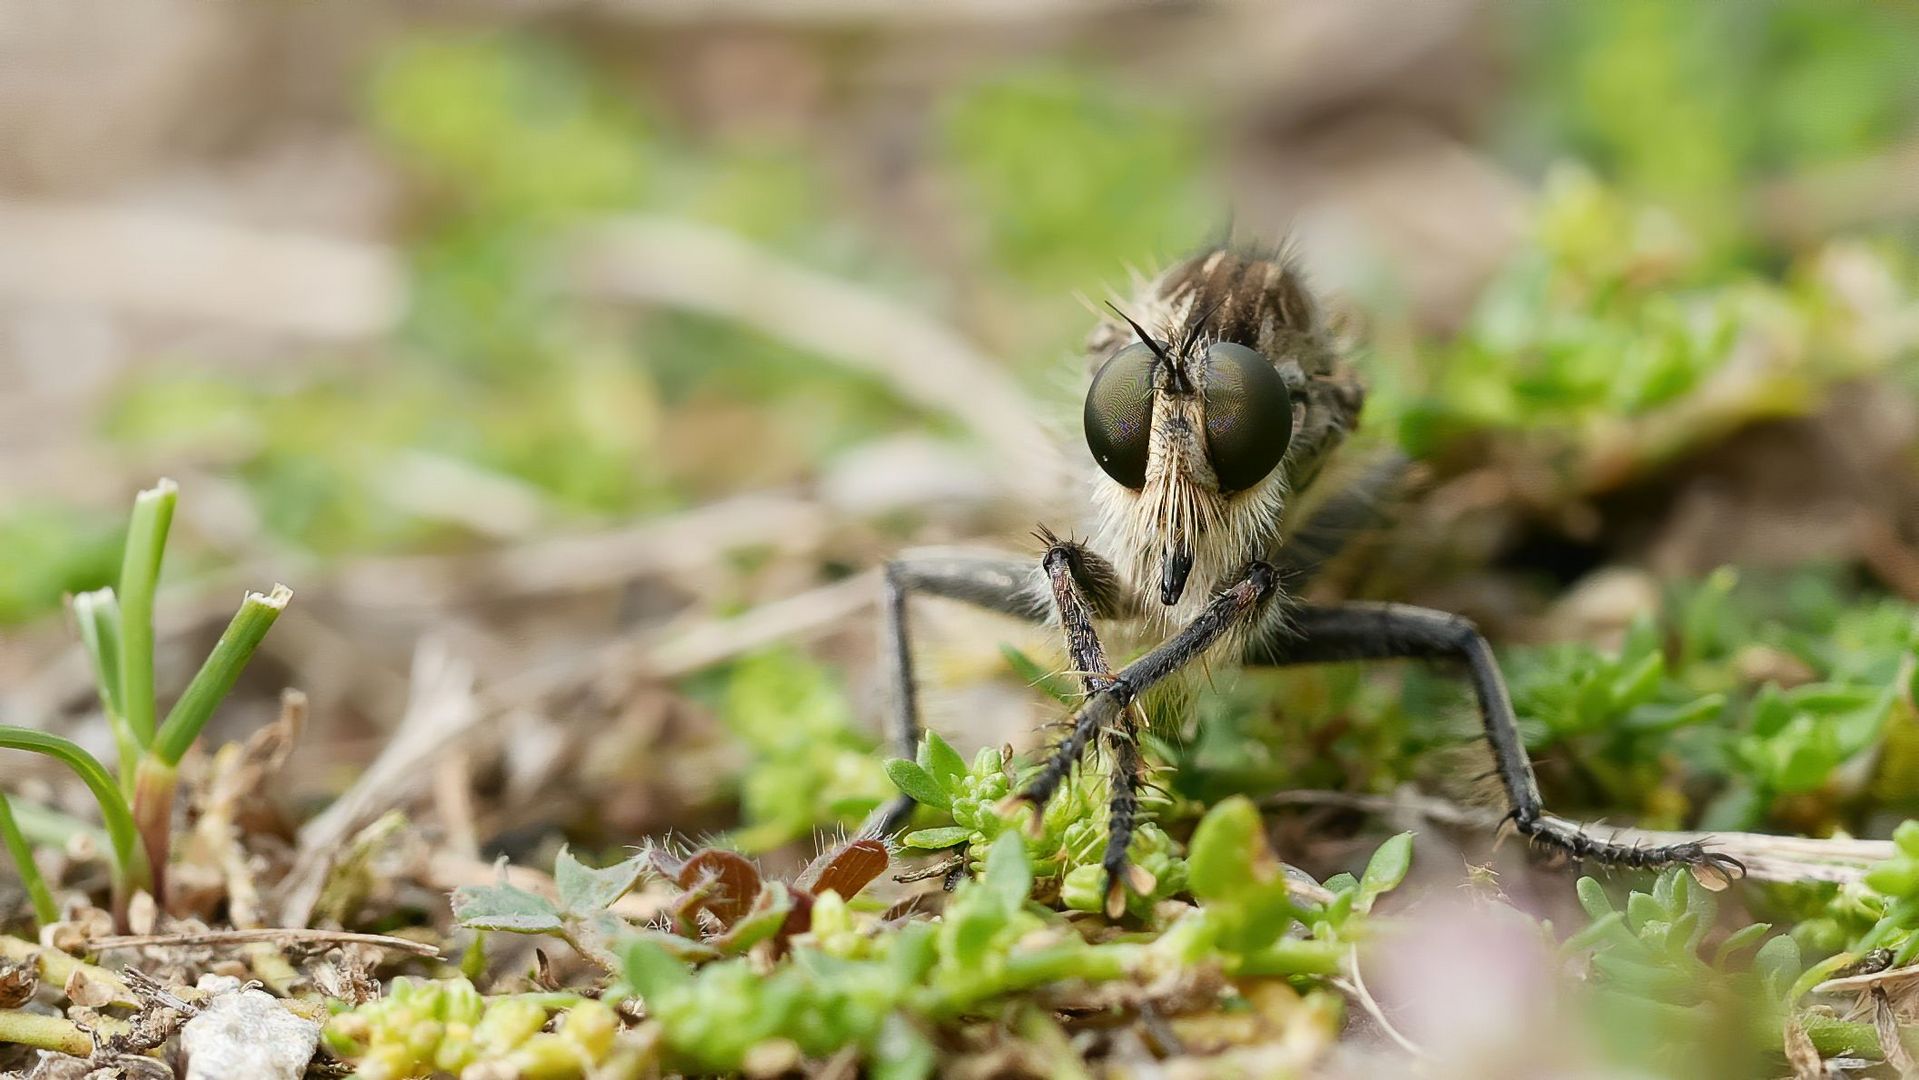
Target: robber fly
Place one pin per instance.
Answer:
(1217, 399)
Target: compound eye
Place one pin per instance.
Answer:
(1249, 415)
(1119, 414)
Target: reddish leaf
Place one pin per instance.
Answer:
(847, 869)
(798, 921)
(727, 881)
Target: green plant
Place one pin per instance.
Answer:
(1604, 349)
(1879, 911)
(1765, 689)
(1661, 969)
(1248, 904)
(884, 988)
(117, 630)
(1064, 843)
(423, 1028)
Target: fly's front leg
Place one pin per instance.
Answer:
(1072, 571)
(1067, 565)
(994, 582)
(1398, 631)
(1105, 708)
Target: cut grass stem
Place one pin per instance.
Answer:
(57, 968)
(139, 579)
(43, 1032)
(216, 677)
(158, 772)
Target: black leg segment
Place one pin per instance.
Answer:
(1081, 585)
(996, 583)
(1366, 631)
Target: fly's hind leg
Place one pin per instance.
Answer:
(1365, 631)
(1000, 583)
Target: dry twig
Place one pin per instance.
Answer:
(284, 937)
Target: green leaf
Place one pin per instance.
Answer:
(915, 950)
(1656, 718)
(1611, 925)
(45, 910)
(504, 907)
(941, 760)
(139, 578)
(901, 1051)
(585, 890)
(1894, 877)
(1219, 862)
(217, 675)
(1640, 682)
(938, 839)
(1007, 876)
(653, 972)
(969, 930)
(1643, 910)
(1737, 940)
(1777, 963)
(130, 868)
(1386, 869)
(1592, 897)
(918, 783)
(97, 614)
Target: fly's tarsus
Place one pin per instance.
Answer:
(1579, 842)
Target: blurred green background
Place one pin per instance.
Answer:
(1594, 163)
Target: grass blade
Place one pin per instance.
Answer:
(97, 614)
(44, 909)
(130, 869)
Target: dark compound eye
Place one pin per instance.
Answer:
(1119, 414)
(1249, 415)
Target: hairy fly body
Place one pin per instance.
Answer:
(1216, 402)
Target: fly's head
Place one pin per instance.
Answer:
(1200, 417)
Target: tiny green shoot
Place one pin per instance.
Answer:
(116, 627)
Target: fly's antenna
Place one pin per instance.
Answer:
(1196, 327)
(1181, 383)
(1145, 338)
